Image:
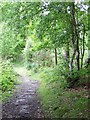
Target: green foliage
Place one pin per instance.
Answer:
(78, 78)
(28, 53)
(54, 75)
(62, 75)
(10, 45)
(41, 27)
(82, 73)
(7, 78)
(7, 43)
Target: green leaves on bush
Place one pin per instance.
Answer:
(7, 76)
(54, 75)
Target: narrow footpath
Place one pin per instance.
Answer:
(26, 102)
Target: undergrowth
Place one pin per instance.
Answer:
(8, 80)
(59, 101)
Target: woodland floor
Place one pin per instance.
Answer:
(26, 102)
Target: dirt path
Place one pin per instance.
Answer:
(25, 103)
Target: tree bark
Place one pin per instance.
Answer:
(55, 56)
(75, 40)
(67, 56)
(72, 40)
(88, 59)
(89, 31)
(73, 54)
(83, 47)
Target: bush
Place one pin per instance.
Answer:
(7, 76)
(77, 77)
(61, 74)
(52, 75)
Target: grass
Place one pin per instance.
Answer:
(60, 102)
(64, 103)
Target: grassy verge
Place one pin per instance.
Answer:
(64, 103)
(59, 101)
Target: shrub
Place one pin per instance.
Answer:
(7, 76)
(52, 75)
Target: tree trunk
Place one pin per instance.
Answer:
(83, 47)
(76, 40)
(55, 56)
(72, 41)
(88, 59)
(77, 57)
(67, 56)
(89, 32)
(71, 62)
